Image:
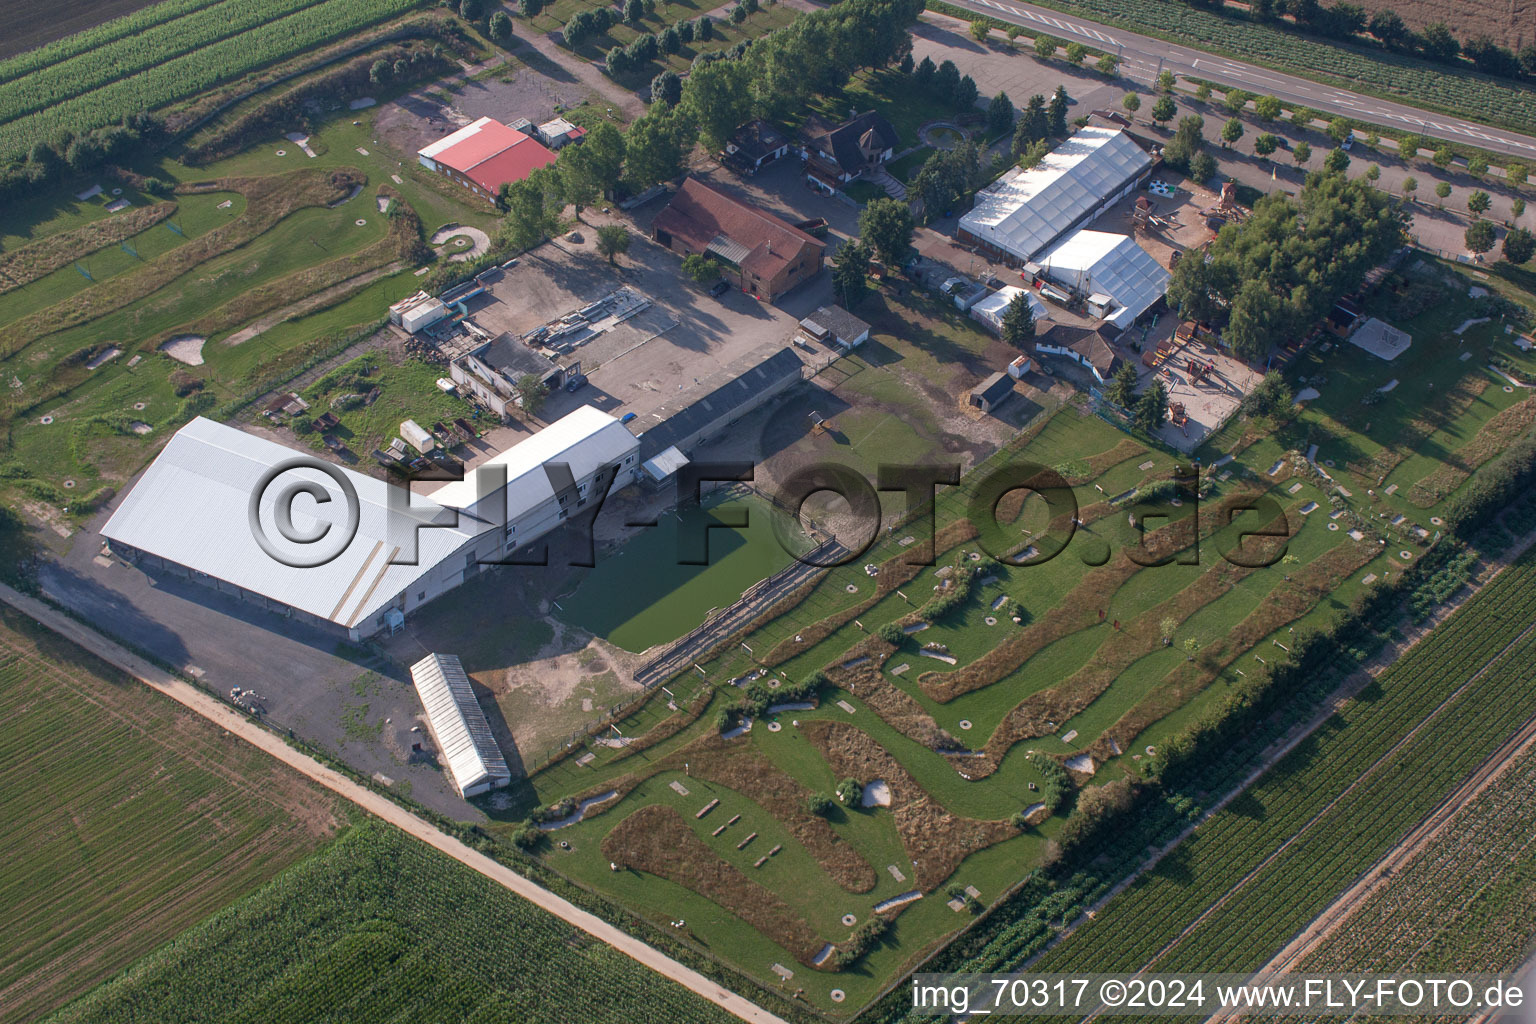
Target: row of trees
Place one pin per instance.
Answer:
(945, 82)
(1273, 276)
(1041, 121)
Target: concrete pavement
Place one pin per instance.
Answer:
(242, 726)
(1142, 57)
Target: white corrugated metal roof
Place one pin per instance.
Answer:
(1024, 211)
(584, 440)
(464, 737)
(1099, 261)
(667, 462)
(469, 131)
(192, 504)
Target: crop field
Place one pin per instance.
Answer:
(1462, 903)
(174, 50)
(1353, 66)
(1278, 854)
(379, 927)
(128, 819)
(962, 706)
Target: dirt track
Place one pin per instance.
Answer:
(245, 728)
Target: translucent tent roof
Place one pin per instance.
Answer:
(1026, 210)
(1114, 265)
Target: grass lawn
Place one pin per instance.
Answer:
(662, 598)
(905, 168)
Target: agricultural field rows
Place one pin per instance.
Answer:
(1166, 901)
(1461, 902)
(174, 77)
(1460, 90)
(127, 820)
(100, 35)
(378, 927)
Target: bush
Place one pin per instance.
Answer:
(850, 792)
(501, 27)
(892, 634)
(819, 804)
(528, 837)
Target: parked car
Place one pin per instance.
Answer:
(720, 288)
(576, 383)
(1348, 143)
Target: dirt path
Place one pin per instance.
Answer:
(1283, 746)
(1381, 873)
(324, 297)
(380, 806)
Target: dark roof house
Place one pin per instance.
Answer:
(857, 143)
(756, 143)
(992, 392)
(1087, 346)
(837, 324)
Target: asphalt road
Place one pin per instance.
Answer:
(1142, 58)
(242, 726)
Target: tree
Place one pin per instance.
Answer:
(1301, 153)
(980, 31)
(1122, 386)
(1108, 65)
(1478, 203)
(1373, 173)
(1517, 209)
(1271, 398)
(966, 94)
(1443, 190)
(1164, 110)
(702, 269)
(1013, 33)
(684, 31)
(1336, 160)
(472, 10)
(703, 28)
(1516, 173)
(599, 160)
(1236, 101)
(634, 11)
(1045, 47)
(1438, 43)
(654, 147)
(886, 227)
(819, 804)
(1033, 126)
(380, 73)
(1443, 157)
(1187, 140)
(1058, 111)
(617, 61)
(1167, 627)
(946, 81)
(1191, 648)
(1265, 144)
(850, 792)
(501, 27)
(531, 213)
(530, 8)
(717, 98)
(1387, 26)
(1131, 103)
(925, 73)
(667, 88)
(670, 40)
(1076, 52)
(530, 392)
(1019, 322)
(1203, 91)
(1477, 165)
(1165, 81)
(850, 266)
(1151, 408)
(1340, 128)
(612, 241)
(1000, 114)
(1410, 186)
(1519, 245)
(1231, 132)
(1301, 117)
(1202, 167)
(1267, 108)
(738, 14)
(1479, 236)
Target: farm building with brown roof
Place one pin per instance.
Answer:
(765, 255)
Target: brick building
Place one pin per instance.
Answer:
(762, 254)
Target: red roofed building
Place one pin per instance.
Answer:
(765, 255)
(486, 155)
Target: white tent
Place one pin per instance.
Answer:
(1026, 210)
(459, 726)
(1105, 264)
(990, 310)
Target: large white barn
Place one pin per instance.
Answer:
(190, 514)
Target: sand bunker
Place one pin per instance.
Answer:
(1081, 763)
(185, 348)
(876, 794)
(101, 357)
